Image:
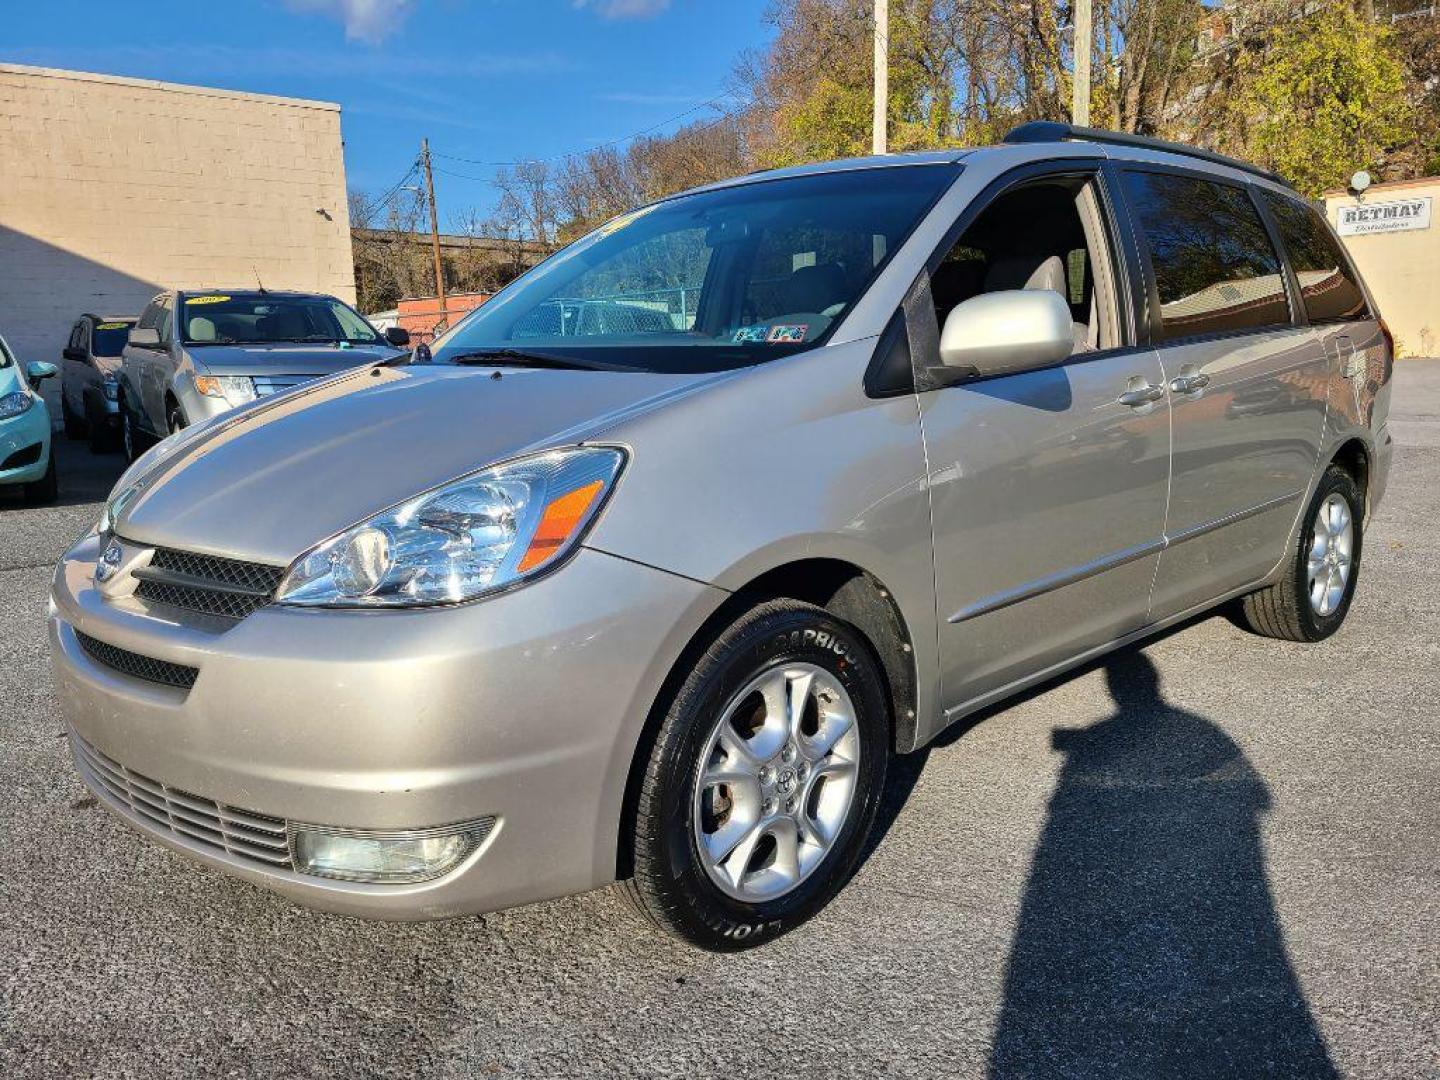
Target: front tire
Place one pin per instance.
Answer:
(764, 779)
(1311, 600)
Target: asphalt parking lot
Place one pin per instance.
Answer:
(1216, 856)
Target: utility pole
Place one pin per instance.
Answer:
(434, 228)
(1084, 37)
(882, 76)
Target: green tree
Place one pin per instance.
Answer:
(1324, 96)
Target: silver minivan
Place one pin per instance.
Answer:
(849, 452)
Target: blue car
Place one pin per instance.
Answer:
(25, 429)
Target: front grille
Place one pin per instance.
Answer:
(136, 665)
(239, 832)
(228, 588)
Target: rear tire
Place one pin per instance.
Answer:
(824, 744)
(1312, 598)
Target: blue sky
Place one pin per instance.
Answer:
(488, 80)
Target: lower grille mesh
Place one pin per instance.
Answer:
(227, 828)
(137, 666)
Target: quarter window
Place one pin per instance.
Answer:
(1215, 268)
(1328, 285)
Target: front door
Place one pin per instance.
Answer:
(1248, 383)
(1048, 488)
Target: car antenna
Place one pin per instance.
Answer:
(257, 279)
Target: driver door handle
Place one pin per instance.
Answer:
(1188, 383)
(1143, 395)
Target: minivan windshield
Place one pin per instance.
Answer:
(258, 318)
(706, 282)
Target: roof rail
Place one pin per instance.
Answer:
(1038, 131)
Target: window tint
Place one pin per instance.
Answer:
(149, 316)
(1327, 282)
(162, 321)
(1215, 267)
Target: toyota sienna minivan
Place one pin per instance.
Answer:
(646, 571)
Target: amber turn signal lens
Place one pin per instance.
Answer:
(560, 519)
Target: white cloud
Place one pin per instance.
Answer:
(365, 20)
(624, 9)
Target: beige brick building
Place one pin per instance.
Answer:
(112, 189)
(1396, 246)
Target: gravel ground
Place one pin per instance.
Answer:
(1213, 856)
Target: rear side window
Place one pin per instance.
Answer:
(1328, 284)
(1215, 268)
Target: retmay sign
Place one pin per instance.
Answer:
(1400, 215)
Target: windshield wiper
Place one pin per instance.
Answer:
(531, 358)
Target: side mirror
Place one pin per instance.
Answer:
(39, 369)
(145, 337)
(1002, 333)
(397, 336)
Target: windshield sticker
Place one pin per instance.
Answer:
(205, 300)
(786, 335)
(750, 333)
(112, 326)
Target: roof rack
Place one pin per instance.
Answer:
(1038, 131)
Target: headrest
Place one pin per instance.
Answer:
(812, 288)
(1028, 272)
(201, 329)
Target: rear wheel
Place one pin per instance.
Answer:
(764, 779)
(1311, 600)
(133, 441)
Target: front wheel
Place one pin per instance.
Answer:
(764, 780)
(1313, 597)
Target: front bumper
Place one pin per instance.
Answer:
(23, 431)
(525, 708)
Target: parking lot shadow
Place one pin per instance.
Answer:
(1148, 943)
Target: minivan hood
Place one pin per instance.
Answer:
(269, 481)
(284, 358)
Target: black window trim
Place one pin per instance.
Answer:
(1125, 271)
(1152, 326)
(1349, 264)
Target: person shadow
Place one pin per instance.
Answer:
(1148, 944)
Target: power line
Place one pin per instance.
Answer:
(600, 146)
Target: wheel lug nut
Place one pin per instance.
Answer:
(769, 807)
(789, 806)
(767, 775)
(789, 752)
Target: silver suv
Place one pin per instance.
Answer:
(657, 598)
(194, 355)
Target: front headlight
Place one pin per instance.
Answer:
(15, 404)
(466, 538)
(237, 390)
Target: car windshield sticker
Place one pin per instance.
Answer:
(205, 300)
(787, 334)
(750, 333)
(112, 326)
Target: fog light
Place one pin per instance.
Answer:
(387, 857)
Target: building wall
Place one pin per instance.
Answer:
(421, 314)
(1401, 268)
(112, 189)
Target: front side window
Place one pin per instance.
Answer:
(1328, 286)
(163, 320)
(256, 318)
(711, 281)
(1215, 267)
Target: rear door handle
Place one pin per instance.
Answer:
(1143, 395)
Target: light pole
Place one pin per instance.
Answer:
(1080, 100)
(878, 132)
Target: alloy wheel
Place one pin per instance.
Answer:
(1332, 546)
(776, 781)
